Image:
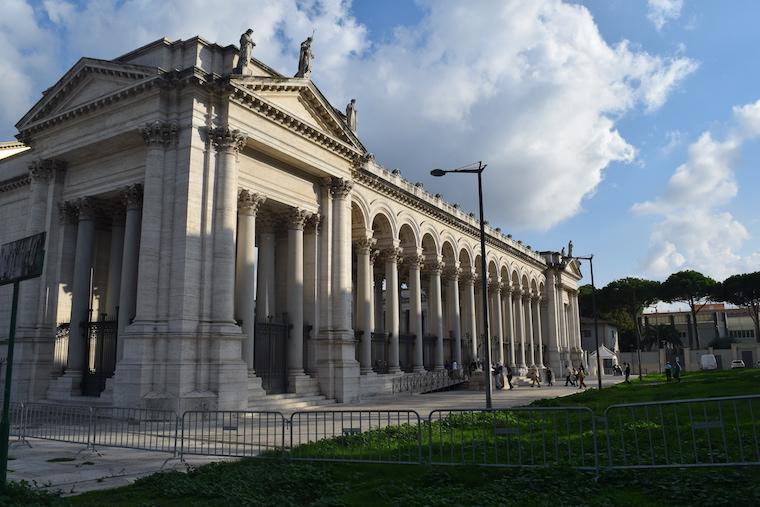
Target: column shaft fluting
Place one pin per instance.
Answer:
(469, 308)
(496, 320)
(245, 271)
(510, 323)
(452, 289)
(341, 262)
(537, 328)
(529, 329)
(128, 287)
(391, 307)
(265, 289)
(296, 222)
(80, 297)
(415, 311)
(520, 325)
(436, 311)
(364, 306)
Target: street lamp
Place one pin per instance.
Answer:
(590, 260)
(473, 169)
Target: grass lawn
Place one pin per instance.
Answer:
(637, 436)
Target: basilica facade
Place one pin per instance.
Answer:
(216, 233)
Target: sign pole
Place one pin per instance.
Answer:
(5, 424)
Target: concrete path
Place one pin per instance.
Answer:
(72, 469)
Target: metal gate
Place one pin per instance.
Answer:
(406, 352)
(270, 343)
(100, 356)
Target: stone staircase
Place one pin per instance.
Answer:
(308, 397)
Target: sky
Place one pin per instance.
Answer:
(631, 127)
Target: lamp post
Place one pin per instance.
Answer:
(472, 169)
(590, 260)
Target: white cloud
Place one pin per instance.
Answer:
(673, 139)
(661, 12)
(529, 86)
(694, 231)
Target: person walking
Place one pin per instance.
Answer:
(627, 372)
(549, 376)
(569, 376)
(677, 372)
(533, 376)
(581, 376)
(668, 371)
(509, 377)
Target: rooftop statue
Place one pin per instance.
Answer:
(304, 59)
(351, 113)
(246, 51)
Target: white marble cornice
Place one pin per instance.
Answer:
(15, 183)
(246, 98)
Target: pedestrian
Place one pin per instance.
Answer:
(677, 371)
(668, 371)
(627, 372)
(549, 376)
(581, 375)
(509, 377)
(568, 376)
(533, 376)
(499, 377)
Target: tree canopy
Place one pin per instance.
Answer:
(690, 287)
(743, 290)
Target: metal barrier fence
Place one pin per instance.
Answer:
(515, 437)
(685, 433)
(232, 433)
(135, 428)
(63, 423)
(376, 436)
(700, 432)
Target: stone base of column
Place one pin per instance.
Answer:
(66, 386)
(521, 370)
(32, 364)
(367, 371)
(418, 369)
(337, 368)
(302, 384)
(180, 372)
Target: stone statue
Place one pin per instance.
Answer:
(570, 249)
(562, 253)
(304, 59)
(351, 115)
(246, 50)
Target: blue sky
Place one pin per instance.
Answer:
(582, 130)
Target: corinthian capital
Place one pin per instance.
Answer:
(433, 266)
(364, 245)
(40, 171)
(392, 254)
(132, 196)
(494, 286)
(340, 187)
(249, 202)
(415, 261)
(160, 133)
(227, 139)
(296, 218)
(450, 273)
(67, 212)
(88, 208)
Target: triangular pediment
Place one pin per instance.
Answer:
(574, 269)
(87, 81)
(302, 100)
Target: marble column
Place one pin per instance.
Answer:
(265, 286)
(296, 220)
(341, 251)
(157, 136)
(311, 298)
(132, 197)
(41, 173)
(377, 298)
(519, 326)
(80, 297)
(435, 309)
(479, 319)
(415, 263)
(228, 143)
(469, 310)
(245, 270)
(364, 315)
(529, 327)
(452, 296)
(536, 300)
(392, 324)
(496, 319)
(509, 322)
(115, 255)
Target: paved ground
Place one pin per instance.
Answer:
(71, 469)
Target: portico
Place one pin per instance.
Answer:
(219, 234)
